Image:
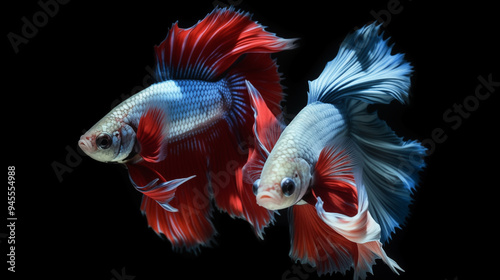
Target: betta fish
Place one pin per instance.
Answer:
(342, 173)
(184, 138)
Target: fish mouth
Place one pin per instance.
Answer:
(269, 200)
(85, 145)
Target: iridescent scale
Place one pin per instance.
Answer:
(190, 105)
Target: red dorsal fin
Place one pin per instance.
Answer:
(267, 130)
(151, 135)
(334, 181)
(206, 50)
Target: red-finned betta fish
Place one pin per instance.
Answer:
(344, 175)
(183, 138)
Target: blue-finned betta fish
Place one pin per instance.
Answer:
(344, 175)
(183, 138)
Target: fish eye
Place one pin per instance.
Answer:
(103, 141)
(287, 186)
(255, 186)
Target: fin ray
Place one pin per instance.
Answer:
(267, 130)
(363, 69)
(334, 180)
(315, 243)
(151, 134)
(208, 49)
(178, 213)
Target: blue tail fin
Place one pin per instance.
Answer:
(364, 72)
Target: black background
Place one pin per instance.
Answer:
(90, 55)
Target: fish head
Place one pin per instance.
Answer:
(283, 182)
(109, 141)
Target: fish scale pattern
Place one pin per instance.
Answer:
(190, 105)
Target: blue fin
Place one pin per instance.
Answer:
(390, 167)
(364, 72)
(363, 69)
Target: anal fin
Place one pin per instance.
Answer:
(315, 243)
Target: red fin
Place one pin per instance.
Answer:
(159, 191)
(240, 201)
(215, 158)
(224, 173)
(218, 177)
(362, 230)
(261, 71)
(206, 50)
(334, 182)
(188, 227)
(267, 130)
(225, 45)
(339, 232)
(184, 219)
(315, 243)
(335, 244)
(151, 135)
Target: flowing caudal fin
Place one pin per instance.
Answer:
(225, 46)
(364, 72)
(338, 232)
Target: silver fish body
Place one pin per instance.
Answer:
(190, 106)
(297, 150)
